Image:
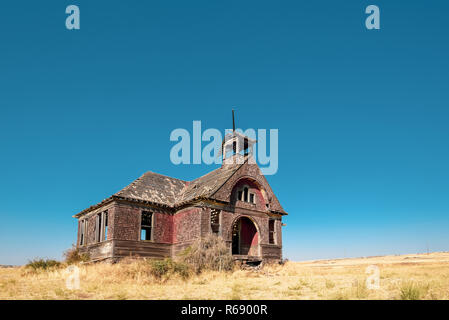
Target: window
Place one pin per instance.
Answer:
(146, 225)
(271, 231)
(83, 227)
(105, 227)
(98, 225)
(215, 220)
(251, 197)
(101, 227)
(246, 196)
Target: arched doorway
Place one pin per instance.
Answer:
(245, 237)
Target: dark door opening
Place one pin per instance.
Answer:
(245, 238)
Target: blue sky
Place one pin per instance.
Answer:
(362, 115)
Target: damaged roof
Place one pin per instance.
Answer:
(170, 192)
(157, 189)
(154, 187)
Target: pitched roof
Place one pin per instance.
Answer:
(206, 185)
(154, 187)
(167, 191)
(170, 192)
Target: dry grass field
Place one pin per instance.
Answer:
(414, 276)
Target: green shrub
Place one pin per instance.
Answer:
(208, 253)
(166, 267)
(182, 269)
(160, 268)
(43, 264)
(73, 255)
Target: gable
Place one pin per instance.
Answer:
(248, 171)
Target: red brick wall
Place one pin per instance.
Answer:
(163, 228)
(187, 225)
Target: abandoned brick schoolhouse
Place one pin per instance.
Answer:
(158, 216)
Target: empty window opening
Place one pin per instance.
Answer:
(215, 220)
(245, 195)
(83, 225)
(105, 228)
(98, 224)
(146, 225)
(271, 231)
(251, 198)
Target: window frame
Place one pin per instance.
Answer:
(83, 232)
(215, 227)
(244, 192)
(150, 227)
(272, 233)
(104, 226)
(98, 227)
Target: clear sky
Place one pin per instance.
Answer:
(362, 115)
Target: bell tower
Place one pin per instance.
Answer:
(236, 147)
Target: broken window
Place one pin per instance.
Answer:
(101, 227)
(246, 196)
(271, 231)
(105, 226)
(251, 198)
(98, 224)
(83, 225)
(215, 220)
(146, 225)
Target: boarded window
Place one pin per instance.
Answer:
(215, 220)
(146, 226)
(271, 231)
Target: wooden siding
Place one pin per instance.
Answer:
(144, 249)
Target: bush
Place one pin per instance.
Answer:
(161, 268)
(182, 269)
(208, 253)
(73, 255)
(43, 264)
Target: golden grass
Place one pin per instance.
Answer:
(420, 276)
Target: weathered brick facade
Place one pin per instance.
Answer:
(175, 213)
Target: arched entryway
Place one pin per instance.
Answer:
(245, 237)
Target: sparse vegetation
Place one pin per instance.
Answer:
(167, 267)
(209, 253)
(426, 277)
(411, 290)
(43, 264)
(73, 255)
